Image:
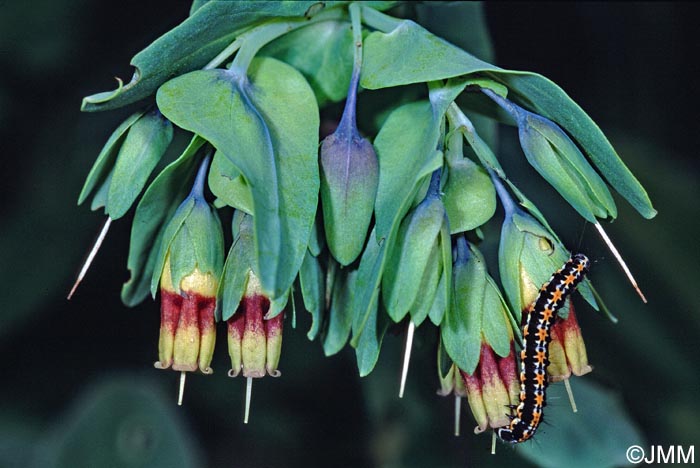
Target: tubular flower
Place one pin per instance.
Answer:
(187, 330)
(188, 269)
(254, 342)
(492, 388)
(567, 351)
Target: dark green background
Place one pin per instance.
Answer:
(78, 386)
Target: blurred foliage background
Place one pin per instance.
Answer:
(78, 386)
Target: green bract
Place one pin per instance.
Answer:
(268, 130)
(157, 205)
(123, 175)
(193, 238)
(414, 253)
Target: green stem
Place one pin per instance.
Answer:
(379, 21)
(348, 122)
(224, 54)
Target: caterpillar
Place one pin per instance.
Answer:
(534, 357)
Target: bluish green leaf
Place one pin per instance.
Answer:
(370, 342)
(367, 281)
(237, 268)
(597, 435)
(461, 327)
(192, 44)
(409, 257)
(277, 306)
(227, 184)
(410, 54)
(470, 197)
(199, 243)
(100, 198)
(438, 307)
(494, 323)
(428, 287)
(340, 314)
(120, 423)
(157, 205)
(105, 160)
(323, 53)
(405, 147)
(269, 131)
(312, 289)
(144, 145)
(172, 228)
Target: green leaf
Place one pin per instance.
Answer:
(367, 281)
(105, 160)
(438, 307)
(277, 306)
(171, 230)
(323, 53)
(237, 268)
(470, 197)
(227, 184)
(269, 130)
(370, 342)
(405, 148)
(494, 323)
(461, 327)
(410, 256)
(597, 435)
(340, 315)
(191, 45)
(312, 289)
(199, 243)
(549, 100)
(410, 54)
(157, 205)
(316, 240)
(144, 145)
(428, 287)
(120, 423)
(100, 198)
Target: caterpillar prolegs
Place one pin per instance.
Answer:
(534, 358)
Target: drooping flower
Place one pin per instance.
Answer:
(492, 388)
(188, 270)
(254, 342)
(567, 351)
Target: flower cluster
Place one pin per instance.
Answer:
(366, 229)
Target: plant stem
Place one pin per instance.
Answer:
(508, 204)
(200, 181)
(348, 122)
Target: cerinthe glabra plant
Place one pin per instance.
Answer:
(371, 228)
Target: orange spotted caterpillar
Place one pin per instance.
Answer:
(534, 357)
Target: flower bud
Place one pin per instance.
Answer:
(559, 161)
(349, 180)
(567, 351)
